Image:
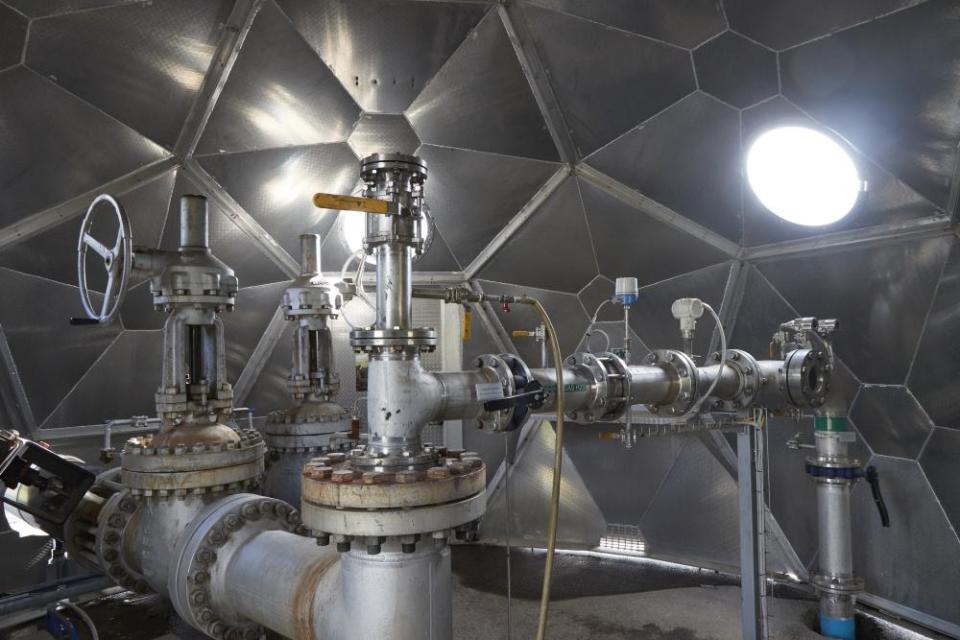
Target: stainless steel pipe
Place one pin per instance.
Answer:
(194, 227)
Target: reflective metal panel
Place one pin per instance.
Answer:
(227, 241)
(555, 236)
(531, 477)
(121, 384)
(383, 133)
(44, 130)
(736, 70)
(565, 311)
(244, 327)
(622, 481)
(278, 94)
(889, 87)
(939, 463)
(650, 317)
(933, 374)
(697, 138)
(473, 195)
(276, 186)
(598, 291)
(791, 495)
(438, 257)
(383, 51)
(891, 420)
(786, 23)
(915, 561)
(50, 354)
(270, 392)
(53, 254)
(40, 8)
(13, 33)
(682, 22)
(142, 63)
(694, 514)
(629, 243)
(886, 200)
(611, 80)
(137, 312)
(481, 100)
(879, 293)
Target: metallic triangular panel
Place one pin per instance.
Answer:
(13, 34)
(227, 240)
(143, 64)
(919, 543)
(481, 100)
(121, 384)
(276, 186)
(932, 375)
(939, 463)
(737, 70)
(137, 312)
(685, 24)
(880, 294)
(630, 243)
(887, 200)
(41, 8)
(245, 326)
(552, 250)
(565, 310)
(383, 51)
(53, 253)
(622, 481)
(891, 421)
(279, 94)
(473, 195)
(597, 292)
(785, 23)
(581, 522)
(45, 130)
(383, 133)
(50, 354)
(650, 317)
(697, 138)
(695, 514)
(896, 103)
(438, 257)
(611, 80)
(270, 392)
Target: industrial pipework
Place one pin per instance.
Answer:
(296, 435)
(382, 513)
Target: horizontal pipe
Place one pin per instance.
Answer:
(278, 579)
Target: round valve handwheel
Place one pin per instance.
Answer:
(117, 261)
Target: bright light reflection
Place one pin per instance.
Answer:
(803, 175)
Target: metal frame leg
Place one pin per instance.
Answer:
(753, 564)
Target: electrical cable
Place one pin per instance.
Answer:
(557, 468)
(83, 616)
(596, 314)
(723, 363)
(606, 336)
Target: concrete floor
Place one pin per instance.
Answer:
(600, 598)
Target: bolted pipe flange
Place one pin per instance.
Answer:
(108, 544)
(683, 373)
(204, 550)
(806, 377)
(748, 372)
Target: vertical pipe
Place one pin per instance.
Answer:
(394, 286)
(753, 570)
(309, 254)
(194, 232)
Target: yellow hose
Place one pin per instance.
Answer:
(557, 464)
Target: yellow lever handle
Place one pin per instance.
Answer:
(350, 203)
(523, 334)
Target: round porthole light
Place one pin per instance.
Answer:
(803, 175)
